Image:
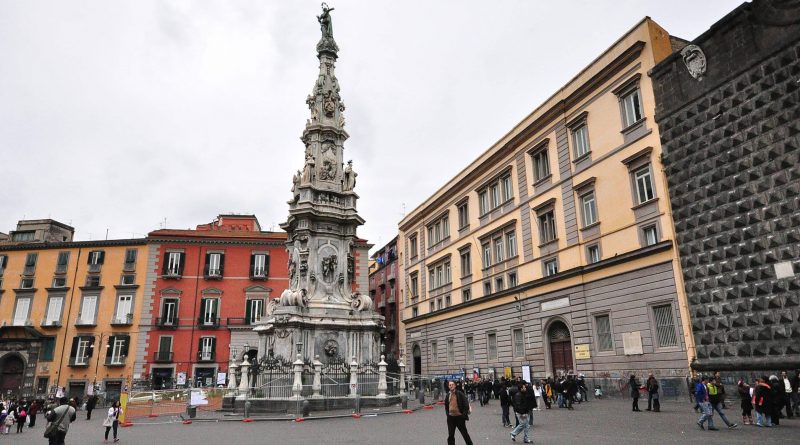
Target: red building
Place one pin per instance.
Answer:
(383, 289)
(212, 284)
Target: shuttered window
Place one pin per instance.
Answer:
(665, 326)
(491, 339)
(604, 340)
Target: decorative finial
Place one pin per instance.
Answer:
(326, 43)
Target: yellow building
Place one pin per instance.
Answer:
(69, 311)
(553, 252)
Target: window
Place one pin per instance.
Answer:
(491, 340)
(207, 349)
(508, 190)
(604, 338)
(169, 312)
(93, 281)
(463, 215)
(665, 326)
(447, 302)
(62, 262)
(519, 343)
(650, 235)
(81, 350)
(22, 311)
(466, 295)
(259, 265)
(550, 267)
(130, 260)
(95, 260)
(466, 263)
(483, 202)
(124, 313)
(88, 310)
(173, 264)
(589, 208)
(512, 279)
(644, 185)
(209, 311)
(487, 287)
(214, 265)
(164, 353)
(434, 352)
(48, 349)
(23, 236)
(26, 283)
(414, 285)
(631, 108)
(541, 165)
(547, 227)
(438, 231)
(414, 312)
(53, 314)
(580, 139)
(487, 255)
(470, 346)
(30, 264)
(593, 254)
(499, 251)
(440, 275)
(117, 350)
(498, 284)
(254, 310)
(451, 351)
(128, 280)
(412, 241)
(439, 304)
(59, 282)
(511, 243)
(3, 264)
(432, 306)
(494, 194)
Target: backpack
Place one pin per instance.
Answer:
(712, 389)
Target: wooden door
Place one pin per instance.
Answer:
(561, 356)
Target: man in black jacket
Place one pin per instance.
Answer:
(522, 409)
(457, 409)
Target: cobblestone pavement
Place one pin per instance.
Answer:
(596, 422)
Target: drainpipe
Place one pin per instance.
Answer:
(194, 309)
(69, 314)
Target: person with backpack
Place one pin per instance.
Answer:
(22, 415)
(715, 398)
(59, 419)
(522, 410)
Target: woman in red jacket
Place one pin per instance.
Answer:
(762, 402)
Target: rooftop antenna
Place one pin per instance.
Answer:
(403, 212)
(106, 233)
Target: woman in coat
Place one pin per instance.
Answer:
(112, 420)
(747, 402)
(762, 402)
(634, 385)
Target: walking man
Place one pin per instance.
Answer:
(61, 416)
(715, 396)
(522, 410)
(457, 409)
(701, 397)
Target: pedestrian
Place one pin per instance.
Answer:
(570, 390)
(652, 394)
(582, 389)
(59, 419)
(776, 395)
(707, 412)
(522, 410)
(537, 392)
(505, 403)
(112, 420)
(530, 400)
(548, 392)
(634, 386)
(787, 394)
(21, 416)
(5, 418)
(715, 398)
(457, 410)
(32, 412)
(747, 402)
(762, 402)
(795, 382)
(91, 403)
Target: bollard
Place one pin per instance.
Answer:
(192, 411)
(421, 396)
(247, 409)
(306, 408)
(404, 401)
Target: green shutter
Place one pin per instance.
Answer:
(248, 311)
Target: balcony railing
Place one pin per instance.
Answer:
(167, 323)
(127, 321)
(115, 361)
(94, 268)
(214, 274)
(162, 357)
(172, 275)
(206, 356)
(51, 323)
(259, 275)
(79, 361)
(205, 322)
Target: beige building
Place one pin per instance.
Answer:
(554, 250)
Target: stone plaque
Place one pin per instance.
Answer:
(555, 304)
(632, 343)
(582, 352)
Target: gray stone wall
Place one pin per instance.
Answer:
(731, 144)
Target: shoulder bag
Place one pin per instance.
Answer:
(52, 428)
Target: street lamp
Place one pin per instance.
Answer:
(97, 360)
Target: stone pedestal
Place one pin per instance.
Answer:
(297, 386)
(382, 378)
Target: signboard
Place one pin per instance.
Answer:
(181, 378)
(526, 373)
(582, 352)
(198, 397)
(632, 343)
(507, 373)
(221, 378)
(555, 304)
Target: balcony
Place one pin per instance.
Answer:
(79, 362)
(206, 356)
(112, 361)
(50, 324)
(162, 357)
(258, 275)
(80, 321)
(127, 321)
(208, 323)
(214, 274)
(167, 323)
(172, 274)
(237, 321)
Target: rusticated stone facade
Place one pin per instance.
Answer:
(728, 109)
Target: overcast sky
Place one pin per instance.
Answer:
(119, 115)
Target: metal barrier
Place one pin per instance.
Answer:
(170, 402)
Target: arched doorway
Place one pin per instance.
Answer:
(11, 373)
(560, 348)
(416, 353)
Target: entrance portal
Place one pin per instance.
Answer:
(11, 373)
(560, 348)
(416, 353)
